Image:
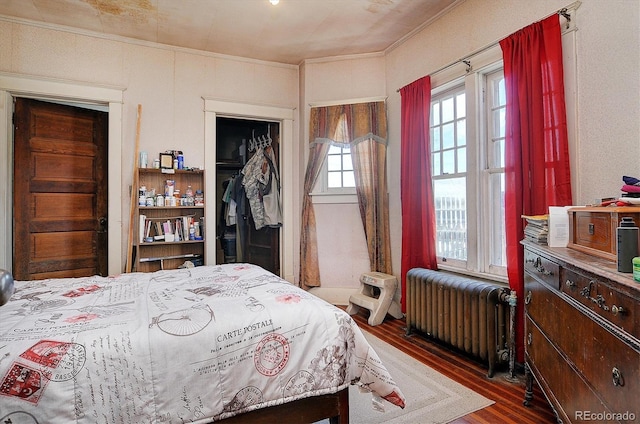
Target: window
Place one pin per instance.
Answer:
(449, 166)
(496, 101)
(336, 182)
(467, 167)
(339, 168)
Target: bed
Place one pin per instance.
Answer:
(199, 345)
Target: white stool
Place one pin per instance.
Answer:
(379, 305)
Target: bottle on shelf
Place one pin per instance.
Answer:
(192, 231)
(189, 193)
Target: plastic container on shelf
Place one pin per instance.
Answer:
(627, 244)
(199, 198)
(189, 194)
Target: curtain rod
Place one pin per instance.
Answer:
(349, 101)
(564, 12)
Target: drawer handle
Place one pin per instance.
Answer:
(598, 300)
(569, 284)
(618, 310)
(618, 379)
(530, 340)
(586, 290)
(527, 298)
(538, 266)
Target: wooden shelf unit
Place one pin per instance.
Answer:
(161, 254)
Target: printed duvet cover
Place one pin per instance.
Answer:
(187, 345)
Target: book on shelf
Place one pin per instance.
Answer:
(169, 230)
(159, 232)
(142, 227)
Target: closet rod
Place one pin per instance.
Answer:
(564, 12)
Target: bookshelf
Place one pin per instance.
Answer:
(170, 229)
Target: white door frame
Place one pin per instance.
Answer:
(214, 108)
(11, 86)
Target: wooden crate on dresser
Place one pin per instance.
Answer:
(593, 229)
(582, 335)
(169, 252)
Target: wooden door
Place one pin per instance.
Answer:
(60, 191)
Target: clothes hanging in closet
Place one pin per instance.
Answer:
(227, 197)
(260, 181)
(271, 191)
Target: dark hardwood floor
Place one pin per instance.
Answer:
(508, 396)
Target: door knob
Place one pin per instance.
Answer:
(102, 224)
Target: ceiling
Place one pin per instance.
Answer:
(289, 32)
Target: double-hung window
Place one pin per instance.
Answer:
(467, 121)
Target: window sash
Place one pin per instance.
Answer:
(482, 151)
(494, 260)
(449, 166)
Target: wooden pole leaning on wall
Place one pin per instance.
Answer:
(134, 193)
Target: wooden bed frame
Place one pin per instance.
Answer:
(304, 411)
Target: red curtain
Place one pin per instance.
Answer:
(416, 190)
(537, 171)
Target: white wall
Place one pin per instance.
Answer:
(169, 83)
(608, 96)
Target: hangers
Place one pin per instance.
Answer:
(259, 143)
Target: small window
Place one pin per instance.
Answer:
(336, 182)
(340, 168)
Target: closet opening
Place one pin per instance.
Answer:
(248, 196)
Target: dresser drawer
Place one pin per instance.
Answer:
(606, 360)
(543, 306)
(542, 268)
(598, 295)
(566, 390)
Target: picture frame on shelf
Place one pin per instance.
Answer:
(166, 161)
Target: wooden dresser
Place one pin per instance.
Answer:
(582, 335)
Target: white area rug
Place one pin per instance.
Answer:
(430, 396)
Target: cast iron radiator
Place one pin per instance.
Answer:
(469, 315)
